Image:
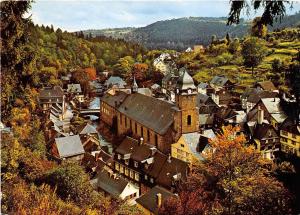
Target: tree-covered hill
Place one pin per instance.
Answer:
(184, 32)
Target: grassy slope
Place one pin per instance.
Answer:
(282, 51)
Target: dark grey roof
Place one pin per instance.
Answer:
(172, 167)
(52, 95)
(127, 146)
(148, 111)
(219, 81)
(264, 130)
(111, 185)
(203, 85)
(149, 199)
(69, 146)
(112, 100)
(185, 81)
(255, 97)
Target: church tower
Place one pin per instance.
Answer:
(187, 117)
(134, 86)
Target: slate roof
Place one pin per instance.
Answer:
(74, 88)
(127, 146)
(114, 187)
(273, 107)
(87, 129)
(267, 85)
(261, 131)
(53, 95)
(290, 126)
(170, 169)
(158, 161)
(224, 112)
(185, 81)
(255, 97)
(112, 100)
(149, 199)
(192, 141)
(203, 85)
(219, 81)
(115, 80)
(69, 146)
(142, 152)
(141, 109)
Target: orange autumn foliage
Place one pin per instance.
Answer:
(91, 73)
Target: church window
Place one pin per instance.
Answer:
(189, 120)
(156, 141)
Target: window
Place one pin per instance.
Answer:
(131, 174)
(136, 176)
(189, 120)
(148, 135)
(121, 169)
(151, 180)
(117, 166)
(146, 177)
(126, 171)
(156, 141)
(142, 131)
(127, 161)
(136, 164)
(119, 156)
(182, 145)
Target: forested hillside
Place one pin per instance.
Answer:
(184, 32)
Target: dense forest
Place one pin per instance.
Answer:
(184, 32)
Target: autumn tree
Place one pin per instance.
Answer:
(232, 180)
(140, 70)
(253, 51)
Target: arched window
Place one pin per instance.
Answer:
(189, 120)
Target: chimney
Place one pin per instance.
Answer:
(141, 141)
(260, 115)
(158, 199)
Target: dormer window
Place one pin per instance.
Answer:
(151, 180)
(119, 157)
(177, 90)
(189, 91)
(136, 164)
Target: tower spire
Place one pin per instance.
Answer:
(134, 85)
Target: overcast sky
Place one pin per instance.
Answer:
(99, 14)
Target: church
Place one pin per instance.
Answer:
(159, 122)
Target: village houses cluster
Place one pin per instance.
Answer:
(160, 130)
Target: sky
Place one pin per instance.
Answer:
(77, 15)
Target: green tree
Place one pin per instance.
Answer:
(17, 59)
(234, 46)
(253, 51)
